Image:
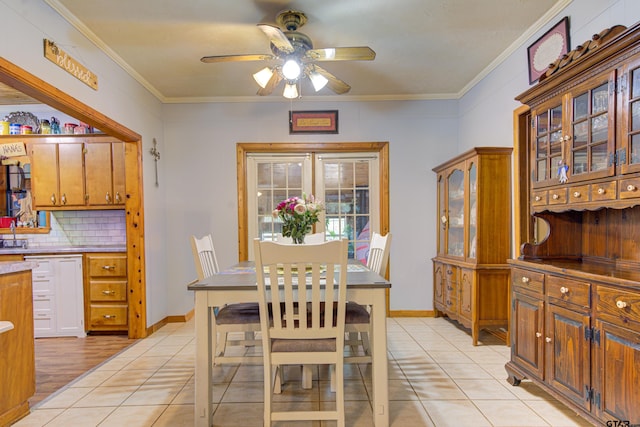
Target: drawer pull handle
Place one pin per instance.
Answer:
(64, 198)
(601, 190)
(109, 316)
(576, 194)
(538, 334)
(53, 199)
(564, 290)
(443, 219)
(631, 187)
(548, 339)
(555, 197)
(538, 198)
(525, 279)
(621, 304)
(109, 267)
(118, 198)
(108, 292)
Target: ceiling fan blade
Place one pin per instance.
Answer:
(275, 79)
(334, 83)
(361, 53)
(236, 58)
(277, 37)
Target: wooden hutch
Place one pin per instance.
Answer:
(575, 308)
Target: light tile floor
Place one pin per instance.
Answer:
(436, 378)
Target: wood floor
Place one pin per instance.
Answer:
(61, 360)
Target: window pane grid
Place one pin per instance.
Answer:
(277, 181)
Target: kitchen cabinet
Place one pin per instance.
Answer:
(17, 363)
(58, 301)
(77, 173)
(106, 306)
(470, 273)
(575, 310)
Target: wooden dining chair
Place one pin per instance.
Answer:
(232, 318)
(358, 319)
(301, 328)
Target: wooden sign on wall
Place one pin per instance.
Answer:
(59, 57)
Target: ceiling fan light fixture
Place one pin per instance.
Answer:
(290, 91)
(291, 69)
(318, 80)
(263, 76)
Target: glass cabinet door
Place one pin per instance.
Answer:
(592, 133)
(455, 209)
(442, 210)
(547, 155)
(472, 198)
(629, 153)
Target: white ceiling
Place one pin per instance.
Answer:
(426, 49)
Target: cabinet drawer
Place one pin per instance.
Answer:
(43, 286)
(558, 196)
(569, 291)
(108, 291)
(528, 280)
(618, 306)
(43, 303)
(630, 188)
(450, 273)
(579, 193)
(108, 315)
(115, 266)
(539, 198)
(604, 191)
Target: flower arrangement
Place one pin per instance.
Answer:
(298, 214)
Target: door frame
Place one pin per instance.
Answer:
(29, 84)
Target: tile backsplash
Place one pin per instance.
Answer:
(78, 228)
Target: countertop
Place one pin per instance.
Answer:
(7, 267)
(48, 250)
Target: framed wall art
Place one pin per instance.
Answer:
(313, 121)
(547, 49)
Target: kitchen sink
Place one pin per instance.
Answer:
(13, 243)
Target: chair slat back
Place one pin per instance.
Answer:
(378, 258)
(314, 311)
(204, 256)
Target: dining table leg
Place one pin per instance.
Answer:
(203, 369)
(379, 368)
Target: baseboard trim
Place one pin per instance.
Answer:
(411, 313)
(170, 319)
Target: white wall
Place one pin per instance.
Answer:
(197, 191)
(201, 177)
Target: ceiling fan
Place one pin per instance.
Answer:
(296, 58)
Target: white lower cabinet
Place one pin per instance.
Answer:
(58, 302)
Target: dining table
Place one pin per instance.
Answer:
(238, 284)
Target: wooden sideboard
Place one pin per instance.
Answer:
(575, 306)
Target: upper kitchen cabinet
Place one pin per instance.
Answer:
(77, 173)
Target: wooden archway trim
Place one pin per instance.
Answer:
(27, 83)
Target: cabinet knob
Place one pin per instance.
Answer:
(118, 198)
(108, 292)
(109, 316)
(53, 199)
(601, 190)
(538, 334)
(64, 199)
(109, 267)
(525, 279)
(555, 197)
(548, 339)
(107, 197)
(567, 137)
(443, 219)
(621, 304)
(538, 198)
(576, 194)
(564, 290)
(631, 187)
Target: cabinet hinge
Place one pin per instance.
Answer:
(596, 400)
(596, 336)
(621, 156)
(611, 160)
(588, 393)
(621, 84)
(588, 333)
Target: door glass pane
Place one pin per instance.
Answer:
(555, 165)
(635, 116)
(542, 170)
(556, 118)
(580, 106)
(579, 161)
(598, 157)
(580, 134)
(600, 99)
(473, 211)
(455, 244)
(599, 127)
(442, 220)
(635, 83)
(635, 148)
(543, 123)
(542, 147)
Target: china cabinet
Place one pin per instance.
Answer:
(471, 277)
(106, 305)
(575, 307)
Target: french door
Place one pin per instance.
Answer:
(348, 183)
